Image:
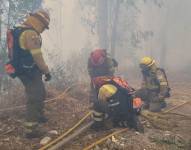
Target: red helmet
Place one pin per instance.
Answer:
(98, 57)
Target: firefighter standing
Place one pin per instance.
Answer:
(155, 86)
(100, 63)
(116, 102)
(32, 67)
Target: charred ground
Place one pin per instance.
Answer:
(174, 133)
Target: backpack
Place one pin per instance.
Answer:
(168, 91)
(16, 55)
(117, 81)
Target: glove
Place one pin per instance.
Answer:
(47, 77)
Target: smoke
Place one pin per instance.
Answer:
(170, 25)
(66, 34)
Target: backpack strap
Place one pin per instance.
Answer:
(167, 91)
(123, 84)
(164, 73)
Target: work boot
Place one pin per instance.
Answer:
(163, 104)
(97, 126)
(135, 123)
(34, 134)
(32, 130)
(139, 127)
(42, 119)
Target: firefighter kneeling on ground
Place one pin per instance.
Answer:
(116, 102)
(155, 87)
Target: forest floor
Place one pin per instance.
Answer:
(172, 133)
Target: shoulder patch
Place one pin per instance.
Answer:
(30, 40)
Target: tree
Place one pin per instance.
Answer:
(20, 8)
(102, 23)
(114, 25)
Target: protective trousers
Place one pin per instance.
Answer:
(147, 95)
(35, 92)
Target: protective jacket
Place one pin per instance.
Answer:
(105, 69)
(156, 81)
(29, 45)
(119, 106)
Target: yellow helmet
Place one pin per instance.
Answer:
(39, 20)
(106, 91)
(147, 61)
(42, 16)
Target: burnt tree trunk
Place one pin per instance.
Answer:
(114, 28)
(102, 6)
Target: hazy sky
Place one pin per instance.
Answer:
(66, 32)
(171, 25)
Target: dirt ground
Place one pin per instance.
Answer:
(170, 131)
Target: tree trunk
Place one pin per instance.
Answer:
(164, 29)
(163, 52)
(103, 23)
(1, 59)
(114, 27)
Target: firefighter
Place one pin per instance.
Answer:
(32, 66)
(100, 63)
(116, 102)
(155, 86)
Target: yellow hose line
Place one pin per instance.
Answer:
(122, 130)
(61, 95)
(46, 101)
(181, 114)
(105, 138)
(176, 107)
(66, 133)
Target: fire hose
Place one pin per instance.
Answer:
(55, 142)
(61, 140)
(46, 101)
(123, 130)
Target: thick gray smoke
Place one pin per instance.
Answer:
(169, 23)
